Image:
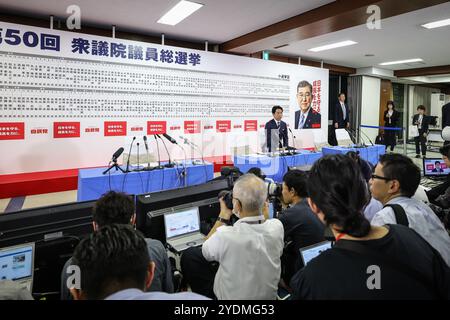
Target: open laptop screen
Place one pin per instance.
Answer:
(310, 252)
(16, 262)
(182, 222)
(434, 167)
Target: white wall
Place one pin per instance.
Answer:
(370, 105)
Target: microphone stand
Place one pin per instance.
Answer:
(159, 155)
(129, 156)
(184, 166)
(114, 165)
(294, 152)
(170, 164)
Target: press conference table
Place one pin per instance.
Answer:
(275, 167)
(92, 183)
(370, 153)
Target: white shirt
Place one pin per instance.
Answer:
(372, 208)
(344, 116)
(305, 116)
(136, 294)
(249, 257)
(419, 121)
(422, 219)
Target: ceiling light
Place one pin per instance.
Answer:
(333, 46)
(400, 62)
(437, 24)
(179, 12)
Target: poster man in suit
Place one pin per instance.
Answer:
(306, 117)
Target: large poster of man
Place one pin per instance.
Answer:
(307, 115)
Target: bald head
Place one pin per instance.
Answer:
(251, 191)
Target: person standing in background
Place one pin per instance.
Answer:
(421, 121)
(391, 117)
(341, 113)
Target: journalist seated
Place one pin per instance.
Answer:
(302, 228)
(114, 264)
(248, 252)
(394, 182)
(366, 262)
(114, 207)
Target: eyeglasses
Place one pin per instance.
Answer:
(374, 176)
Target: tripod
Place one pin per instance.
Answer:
(114, 165)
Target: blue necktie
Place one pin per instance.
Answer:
(302, 121)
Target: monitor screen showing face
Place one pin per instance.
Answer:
(16, 262)
(313, 251)
(435, 167)
(181, 222)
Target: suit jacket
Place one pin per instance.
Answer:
(394, 119)
(339, 116)
(446, 115)
(313, 120)
(425, 123)
(272, 125)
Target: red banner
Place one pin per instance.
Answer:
(223, 125)
(115, 128)
(66, 130)
(191, 127)
(250, 125)
(156, 127)
(12, 130)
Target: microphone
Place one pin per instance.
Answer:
(353, 136)
(129, 155)
(360, 131)
(145, 142)
(117, 154)
(186, 141)
(170, 164)
(172, 140)
(157, 148)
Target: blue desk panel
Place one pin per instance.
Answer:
(275, 167)
(92, 183)
(371, 153)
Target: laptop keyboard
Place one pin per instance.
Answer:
(429, 183)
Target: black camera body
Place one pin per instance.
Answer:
(227, 198)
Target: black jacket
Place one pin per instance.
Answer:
(312, 121)
(394, 119)
(339, 116)
(271, 125)
(425, 122)
(446, 115)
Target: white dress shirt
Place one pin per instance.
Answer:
(249, 256)
(421, 219)
(305, 116)
(136, 294)
(344, 115)
(419, 121)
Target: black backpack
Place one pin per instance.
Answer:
(400, 215)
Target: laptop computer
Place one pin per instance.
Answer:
(435, 168)
(17, 264)
(182, 228)
(310, 252)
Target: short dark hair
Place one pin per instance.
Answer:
(112, 259)
(421, 107)
(297, 180)
(437, 162)
(390, 102)
(257, 172)
(445, 150)
(113, 207)
(303, 84)
(275, 108)
(338, 189)
(401, 168)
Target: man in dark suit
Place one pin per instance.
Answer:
(437, 167)
(341, 113)
(280, 127)
(422, 122)
(306, 117)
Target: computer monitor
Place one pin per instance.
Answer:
(45, 223)
(17, 264)
(310, 252)
(435, 167)
(181, 222)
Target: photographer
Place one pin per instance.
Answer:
(248, 252)
(301, 227)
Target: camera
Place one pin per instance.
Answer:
(273, 189)
(227, 198)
